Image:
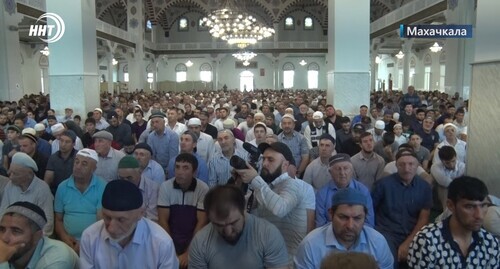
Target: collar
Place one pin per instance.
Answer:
(71, 182)
(192, 187)
(139, 236)
(447, 236)
(332, 241)
(334, 186)
(36, 254)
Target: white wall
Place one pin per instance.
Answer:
(299, 34)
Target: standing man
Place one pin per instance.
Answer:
(124, 238)
(23, 244)
(402, 203)
(60, 164)
(163, 141)
(411, 97)
(347, 232)
(173, 124)
(458, 241)
(78, 199)
(277, 195)
(180, 205)
(120, 130)
(368, 165)
(234, 237)
(296, 142)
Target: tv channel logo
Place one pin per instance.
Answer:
(53, 30)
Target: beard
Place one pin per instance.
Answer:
(270, 177)
(124, 236)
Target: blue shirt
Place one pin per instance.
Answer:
(43, 147)
(397, 206)
(321, 242)
(79, 209)
(50, 253)
(202, 171)
(154, 171)
(150, 247)
(164, 146)
(297, 144)
(324, 202)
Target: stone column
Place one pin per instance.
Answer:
(136, 64)
(407, 45)
(11, 82)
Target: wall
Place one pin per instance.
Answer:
(299, 34)
(30, 69)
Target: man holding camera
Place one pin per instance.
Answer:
(277, 195)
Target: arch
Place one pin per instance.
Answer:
(288, 66)
(313, 66)
(413, 63)
(125, 68)
(427, 59)
(442, 57)
(181, 68)
(205, 67)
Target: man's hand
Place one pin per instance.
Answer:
(7, 251)
(248, 174)
(183, 260)
(72, 243)
(403, 251)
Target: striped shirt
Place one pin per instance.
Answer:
(280, 204)
(219, 169)
(205, 147)
(297, 144)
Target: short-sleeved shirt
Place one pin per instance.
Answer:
(260, 245)
(183, 207)
(149, 190)
(321, 242)
(397, 206)
(297, 144)
(368, 170)
(107, 167)
(62, 168)
(150, 247)
(79, 209)
(429, 139)
(317, 174)
(201, 171)
(434, 247)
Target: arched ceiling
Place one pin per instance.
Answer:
(166, 12)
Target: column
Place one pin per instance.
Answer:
(215, 74)
(11, 82)
(348, 57)
(73, 69)
(136, 65)
(373, 64)
(111, 68)
(276, 73)
(483, 156)
(459, 51)
(407, 45)
(276, 27)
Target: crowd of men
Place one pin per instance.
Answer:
(230, 179)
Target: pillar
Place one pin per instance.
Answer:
(348, 75)
(276, 74)
(215, 74)
(459, 51)
(407, 45)
(73, 68)
(136, 65)
(11, 82)
(483, 156)
(111, 69)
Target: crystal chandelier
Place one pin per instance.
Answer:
(244, 56)
(235, 26)
(436, 47)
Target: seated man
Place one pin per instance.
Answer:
(317, 173)
(235, 238)
(445, 171)
(78, 199)
(149, 167)
(347, 232)
(124, 238)
(458, 241)
(402, 203)
(23, 245)
(25, 186)
(180, 204)
(128, 169)
(341, 174)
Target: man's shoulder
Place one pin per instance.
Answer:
(317, 234)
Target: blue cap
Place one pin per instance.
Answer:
(349, 196)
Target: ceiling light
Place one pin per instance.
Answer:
(114, 61)
(244, 55)
(302, 62)
(45, 51)
(189, 63)
(246, 63)
(436, 47)
(400, 55)
(378, 59)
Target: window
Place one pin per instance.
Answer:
(180, 73)
(206, 76)
(288, 73)
(427, 78)
(41, 79)
(442, 74)
(125, 77)
(201, 25)
(289, 23)
(183, 24)
(149, 25)
(308, 23)
(312, 75)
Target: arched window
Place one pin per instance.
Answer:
(308, 23)
(180, 73)
(206, 72)
(289, 23)
(442, 71)
(288, 74)
(312, 75)
(427, 70)
(183, 25)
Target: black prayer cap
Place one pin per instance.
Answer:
(121, 195)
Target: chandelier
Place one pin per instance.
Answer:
(400, 55)
(235, 26)
(436, 47)
(45, 51)
(244, 56)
